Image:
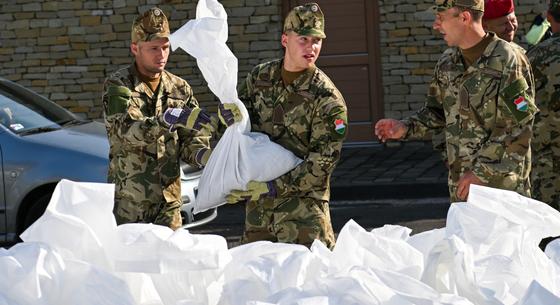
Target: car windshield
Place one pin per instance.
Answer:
(25, 112)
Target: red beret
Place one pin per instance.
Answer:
(497, 8)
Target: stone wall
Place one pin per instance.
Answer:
(65, 49)
(410, 49)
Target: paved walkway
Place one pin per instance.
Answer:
(395, 170)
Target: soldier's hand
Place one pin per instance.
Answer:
(387, 129)
(190, 118)
(229, 114)
(465, 183)
(255, 191)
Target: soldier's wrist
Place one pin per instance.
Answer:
(481, 173)
(407, 128)
(202, 156)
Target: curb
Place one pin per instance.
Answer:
(415, 190)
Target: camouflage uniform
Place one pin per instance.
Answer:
(144, 155)
(303, 118)
(307, 117)
(487, 112)
(545, 177)
(438, 137)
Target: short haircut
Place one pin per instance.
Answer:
(476, 15)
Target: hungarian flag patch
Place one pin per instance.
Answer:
(339, 126)
(521, 104)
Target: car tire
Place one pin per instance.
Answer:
(36, 210)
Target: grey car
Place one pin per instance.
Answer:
(42, 143)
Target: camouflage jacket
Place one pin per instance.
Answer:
(307, 117)
(487, 113)
(518, 47)
(144, 156)
(545, 60)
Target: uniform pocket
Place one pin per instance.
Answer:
(480, 89)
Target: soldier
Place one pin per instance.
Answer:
(482, 97)
(499, 17)
(141, 102)
(545, 60)
(299, 108)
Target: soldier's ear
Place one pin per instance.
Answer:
(284, 39)
(134, 48)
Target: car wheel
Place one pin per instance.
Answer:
(36, 210)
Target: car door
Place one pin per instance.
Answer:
(2, 194)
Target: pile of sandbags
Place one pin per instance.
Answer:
(487, 254)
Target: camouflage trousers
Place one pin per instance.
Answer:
(289, 220)
(545, 181)
(165, 214)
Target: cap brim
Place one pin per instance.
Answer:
(312, 32)
(437, 9)
(158, 36)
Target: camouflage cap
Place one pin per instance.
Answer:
(442, 5)
(150, 25)
(554, 6)
(307, 20)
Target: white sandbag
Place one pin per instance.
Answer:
(490, 253)
(261, 269)
(415, 291)
(538, 295)
(5, 301)
(357, 247)
(201, 287)
(29, 272)
(78, 222)
(149, 248)
(141, 288)
(553, 251)
(449, 270)
(34, 273)
(240, 155)
(540, 219)
(425, 241)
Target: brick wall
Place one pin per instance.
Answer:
(410, 49)
(65, 49)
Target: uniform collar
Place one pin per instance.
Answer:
(302, 83)
(139, 86)
(457, 57)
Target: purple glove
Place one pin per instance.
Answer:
(190, 118)
(229, 114)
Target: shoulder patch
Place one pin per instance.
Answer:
(339, 126)
(516, 99)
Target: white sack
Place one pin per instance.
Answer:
(240, 155)
(34, 273)
(538, 295)
(384, 248)
(490, 253)
(260, 269)
(78, 222)
(149, 248)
